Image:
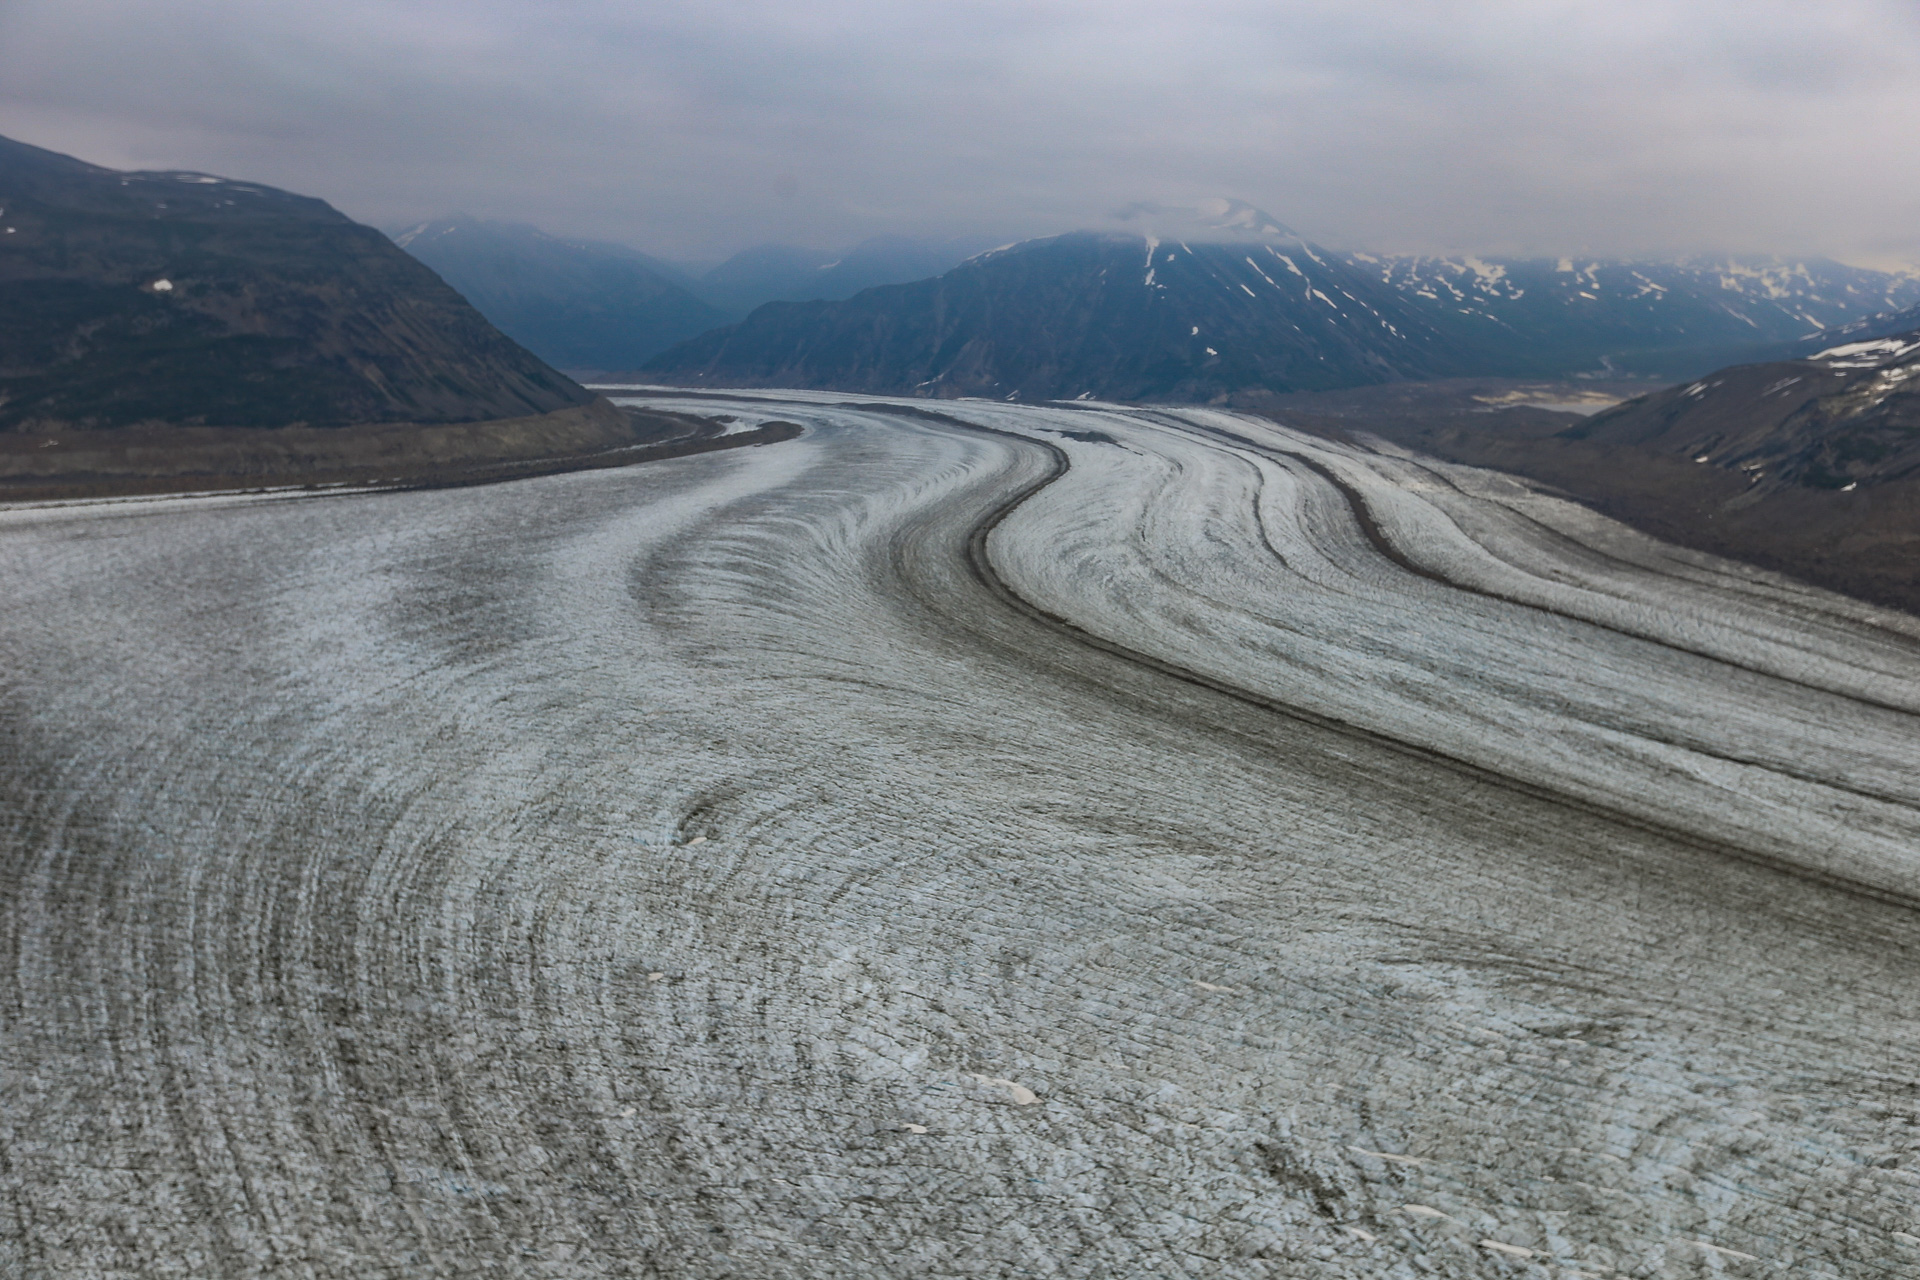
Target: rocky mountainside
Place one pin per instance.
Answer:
(1247, 303)
(782, 273)
(1548, 317)
(150, 298)
(1848, 417)
(1810, 467)
(1882, 324)
(1092, 315)
(576, 304)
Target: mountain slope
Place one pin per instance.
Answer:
(1118, 317)
(884, 260)
(761, 274)
(1257, 306)
(1882, 324)
(782, 273)
(1545, 317)
(576, 304)
(1846, 418)
(182, 298)
(1810, 467)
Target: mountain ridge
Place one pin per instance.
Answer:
(1290, 316)
(188, 298)
(1809, 467)
(783, 273)
(577, 304)
(1086, 313)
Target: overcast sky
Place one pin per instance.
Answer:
(693, 129)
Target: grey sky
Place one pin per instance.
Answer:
(693, 129)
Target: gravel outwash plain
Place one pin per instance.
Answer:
(964, 840)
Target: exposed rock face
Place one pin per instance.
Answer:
(181, 298)
(580, 305)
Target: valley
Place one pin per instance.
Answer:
(769, 642)
(964, 838)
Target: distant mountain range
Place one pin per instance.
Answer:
(1088, 314)
(577, 304)
(1665, 319)
(589, 306)
(781, 273)
(187, 299)
(1230, 299)
(1140, 317)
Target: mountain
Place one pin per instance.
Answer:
(1881, 324)
(1846, 418)
(1810, 467)
(1119, 317)
(1545, 317)
(760, 274)
(782, 273)
(172, 297)
(574, 303)
(1248, 303)
(598, 307)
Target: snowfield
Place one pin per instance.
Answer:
(965, 840)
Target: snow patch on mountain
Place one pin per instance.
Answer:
(1867, 355)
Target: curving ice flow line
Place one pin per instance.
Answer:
(1785, 790)
(1364, 518)
(981, 565)
(959, 839)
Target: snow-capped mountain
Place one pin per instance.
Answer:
(1569, 314)
(1226, 297)
(1211, 222)
(1089, 314)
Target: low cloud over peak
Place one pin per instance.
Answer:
(1489, 125)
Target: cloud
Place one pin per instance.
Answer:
(1488, 125)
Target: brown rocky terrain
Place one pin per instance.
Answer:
(1807, 467)
(134, 460)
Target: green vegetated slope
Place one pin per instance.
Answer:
(180, 298)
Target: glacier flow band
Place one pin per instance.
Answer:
(965, 839)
